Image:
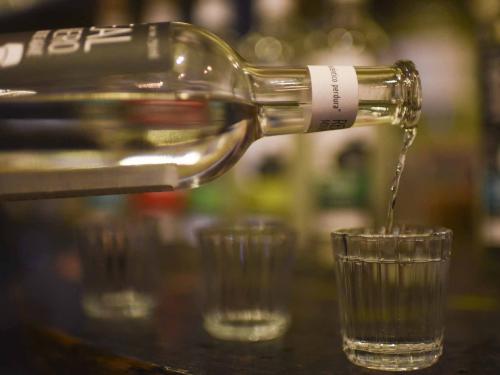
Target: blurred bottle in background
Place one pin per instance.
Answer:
(267, 177)
(217, 16)
(209, 203)
(343, 165)
(113, 12)
(100, 208)
(441, 178)
(166, 210)
(14, 6)
(348, 35)
(276, 35)
(487, 14)
(160, 11)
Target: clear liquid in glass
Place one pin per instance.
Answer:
(392, 312)
(119, 142)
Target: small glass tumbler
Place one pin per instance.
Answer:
(392, 292)
(119, 258)
(247, 270)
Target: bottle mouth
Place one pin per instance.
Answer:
(411, 91)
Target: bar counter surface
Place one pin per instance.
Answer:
(45, 330)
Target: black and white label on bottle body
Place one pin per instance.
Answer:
(334, 97)
(81, 54)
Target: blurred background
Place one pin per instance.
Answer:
(318, 182)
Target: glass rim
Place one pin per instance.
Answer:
(246, 227)
(422, 232)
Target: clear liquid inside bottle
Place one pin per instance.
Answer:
(177, 121)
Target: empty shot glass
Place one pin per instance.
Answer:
(247, 271)
(392, 291)
(119, 261)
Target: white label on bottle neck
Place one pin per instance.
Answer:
(334, 97)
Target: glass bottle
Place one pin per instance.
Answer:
(164, 106)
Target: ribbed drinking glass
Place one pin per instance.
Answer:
(392, 292)
(247, 270)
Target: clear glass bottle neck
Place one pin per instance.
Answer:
(387, 95)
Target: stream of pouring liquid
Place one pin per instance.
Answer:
(408, 138)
